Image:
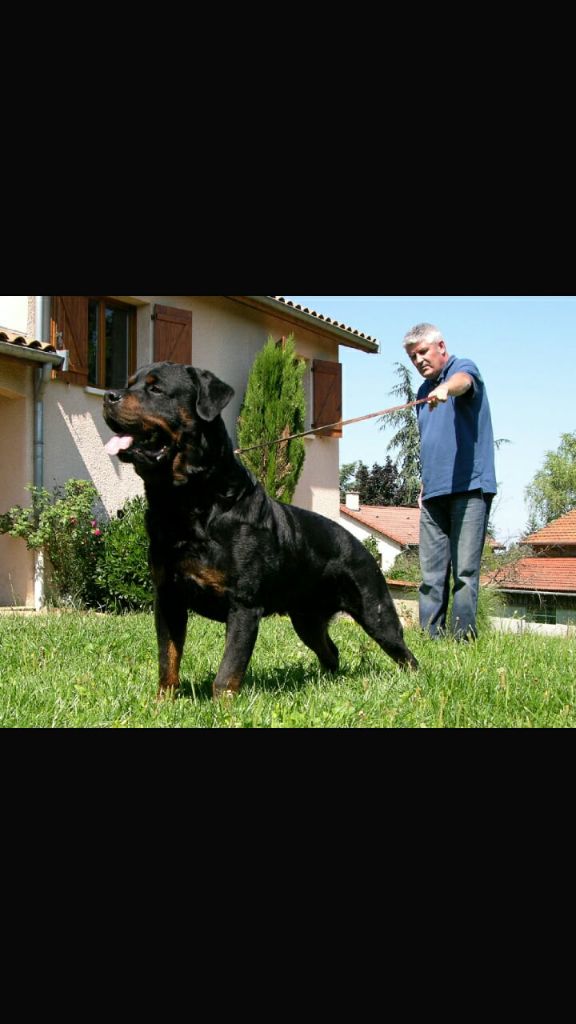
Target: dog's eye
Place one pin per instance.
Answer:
(154, 389)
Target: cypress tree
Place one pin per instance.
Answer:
(274, 406)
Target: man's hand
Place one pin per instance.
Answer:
(456, 385)
(440, 394)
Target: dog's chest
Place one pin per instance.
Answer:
(199, 571)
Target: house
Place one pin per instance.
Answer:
(59, 353)
(394, 528)
(541, 587)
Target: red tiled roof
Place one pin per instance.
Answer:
(540, 574)
(398, 522)
(321, 316)
(13, 338)
(401, 525)
(559, 531)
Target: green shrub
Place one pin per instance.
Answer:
(406, 566)
(123, 575)
(65, 525)
(371, 545)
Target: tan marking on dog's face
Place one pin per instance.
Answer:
(149, 422)
(130, 401)
(130, 414)
(185, 418)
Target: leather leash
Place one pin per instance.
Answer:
(330, 426)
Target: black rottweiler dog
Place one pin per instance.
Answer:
(220, 547)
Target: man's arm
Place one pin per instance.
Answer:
(456, 385)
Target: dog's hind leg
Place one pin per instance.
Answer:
(313, 631)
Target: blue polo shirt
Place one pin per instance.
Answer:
(456, 439)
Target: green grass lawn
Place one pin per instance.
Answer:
(70, 670)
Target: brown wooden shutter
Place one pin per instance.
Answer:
(172, 335)
(69, 330)
(327, 395)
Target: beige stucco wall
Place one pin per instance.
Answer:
(74, 438)
(226, 337)
(388, 548)
(16, 562)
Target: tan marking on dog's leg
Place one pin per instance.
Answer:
(230, 690)
(170, 659)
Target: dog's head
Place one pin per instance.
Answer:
(164, 420)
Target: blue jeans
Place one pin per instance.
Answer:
(452, 535)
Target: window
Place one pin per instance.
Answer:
(99, 335)
(542, 609)
(111, 343)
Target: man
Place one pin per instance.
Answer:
(458, 481)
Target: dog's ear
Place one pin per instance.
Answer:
(213, 394)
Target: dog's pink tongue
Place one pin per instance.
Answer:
(118, 444)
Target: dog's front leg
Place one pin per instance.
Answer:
(171, 617)
(241, 632)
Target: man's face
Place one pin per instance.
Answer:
(429, 357)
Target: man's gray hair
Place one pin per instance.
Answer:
(422, 332)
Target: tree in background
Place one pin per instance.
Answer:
(377, 486)
(406, 439)
(384, 485)
(347, 478)
(274, 406)
(552, 491)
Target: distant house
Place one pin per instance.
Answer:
(59, 353)
(542, 586)
(394, 528)
(558, 539)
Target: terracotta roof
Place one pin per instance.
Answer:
(324, 318)
(400, 524)
(539, 574)
(559, 531)
(13, 338)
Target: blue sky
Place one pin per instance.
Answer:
(523, 346)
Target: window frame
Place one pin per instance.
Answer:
(103, 302)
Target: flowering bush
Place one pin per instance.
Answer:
(64, 524)
(91, 563)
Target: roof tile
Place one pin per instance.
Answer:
(13, 338)
(539, 574)
(559, 531)
(399, 523)
(322, 316)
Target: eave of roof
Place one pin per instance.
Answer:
(16, 346)
(313, 321)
